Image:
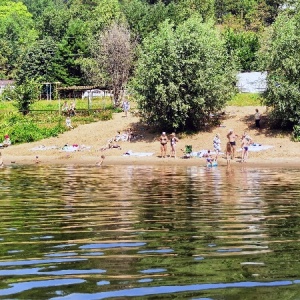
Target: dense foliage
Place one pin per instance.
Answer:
(282, 60)
(54, 40)
(68, 29)
(183, 75)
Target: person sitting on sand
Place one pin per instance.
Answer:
(110, 145)
(99, 163)
(118, 136)
(7, 141)
(210, 159)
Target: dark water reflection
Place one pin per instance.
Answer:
(149, 232)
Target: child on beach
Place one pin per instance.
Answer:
(68, 123)
(210, 160)
(99, 163)
(173, 142)
(217, 144)
(246, 142)
(228, 153)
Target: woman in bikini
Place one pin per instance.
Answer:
(163, 144)
(173, 142)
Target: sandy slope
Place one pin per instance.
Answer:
(95, 135)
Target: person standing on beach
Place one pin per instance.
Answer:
(228, 153)
(163, 144)
(217, 144)
(173, 142)
(126, 107)
(246, 141)
(232, 140)
(257, 117)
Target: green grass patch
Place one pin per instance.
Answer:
(39, 125)
(96, 103)
(246, 99)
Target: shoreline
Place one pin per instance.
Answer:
(280, 151)
(89, 160)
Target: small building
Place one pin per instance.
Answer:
(252, 82)
(75, 92)
(4, 83)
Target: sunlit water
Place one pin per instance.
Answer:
(146, 232)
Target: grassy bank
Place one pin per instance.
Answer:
(45, 119)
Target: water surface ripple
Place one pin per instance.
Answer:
(161, 232)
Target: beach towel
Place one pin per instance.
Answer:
(74, 148)
(138, 154)
(42, 147)
(203, 153)
(257, 147)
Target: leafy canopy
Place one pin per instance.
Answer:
(182, 75)
(282, 60)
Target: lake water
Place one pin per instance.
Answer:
(73, 232)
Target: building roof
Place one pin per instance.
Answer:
(6, 82)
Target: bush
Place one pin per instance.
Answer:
(296, 133)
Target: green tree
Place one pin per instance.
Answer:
(17, 33)
(144, 18)
(244, 45)
(38, 62)
(182, 75)
(182, 10)
(282, 60)
(25, 94)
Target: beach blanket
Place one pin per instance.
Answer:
(138, 154)
(42, 147)
(257, 147)
(203, 153)
(74, 148)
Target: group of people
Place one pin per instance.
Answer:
(230, 149)
(127, 136)
(246, 141)
(69, 109)
(164, 140)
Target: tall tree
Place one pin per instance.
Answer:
(282, 60)
(183, 75)
(113, 53)
(17, 33)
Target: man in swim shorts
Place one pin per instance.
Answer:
(232, 140)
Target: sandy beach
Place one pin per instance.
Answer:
(91, 137)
